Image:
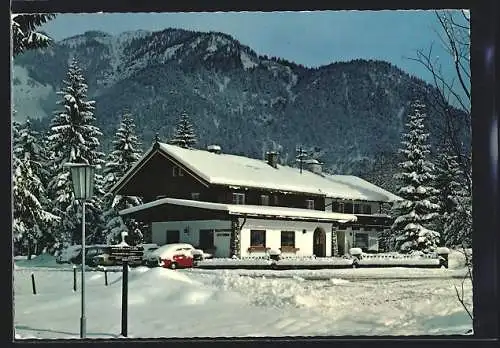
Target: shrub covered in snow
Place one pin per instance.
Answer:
(355, 251)
(442, 251)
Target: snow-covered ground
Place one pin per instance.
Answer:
(218, 303)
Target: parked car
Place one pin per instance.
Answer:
(67, 255)
(73, 254)
(177, 255)
(148, 249)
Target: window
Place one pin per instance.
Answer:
(309, 204)
(379, 228)
(173, 236)
(348, 208)
(195, 196)
(206, 239)
(238, 198)
(257, 238)
(367, 209)
(288, 239)
(335, 206)
(355, 228)
(357, 208)
(340, 207)
(264, 200)
(361, 241)
(176, 171)
(275, 200)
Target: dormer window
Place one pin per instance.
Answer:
(264, 200)
(238, 198)
(195, 196)
(309, 203)
(177, 171)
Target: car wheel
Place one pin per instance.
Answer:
(173, 265)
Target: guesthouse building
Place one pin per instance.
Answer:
(235, 206)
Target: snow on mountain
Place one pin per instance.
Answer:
(255, 100)
(28, 94)
(247, 61)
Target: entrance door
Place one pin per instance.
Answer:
(206, 240)
(173, 236)
(341, 242)
(319, 242)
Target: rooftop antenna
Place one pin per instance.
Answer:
(301, 154)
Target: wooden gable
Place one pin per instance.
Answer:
(160, 175)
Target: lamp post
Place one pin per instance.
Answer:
(82, 176)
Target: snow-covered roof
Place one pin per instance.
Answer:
(226, 169)
(240, 171)
(247, 210)
(363, 187)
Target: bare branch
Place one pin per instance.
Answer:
(466, 17)
(451, 40)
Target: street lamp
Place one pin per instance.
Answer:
(82, 176)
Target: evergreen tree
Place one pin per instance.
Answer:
(418, 210)
(31, 206)
(447, 176)
(24, 34)
(126, 152)
(458, 226)
(184, 133)
(455, 200)
(74, 139)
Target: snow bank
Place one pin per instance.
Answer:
(23, 257)
(223, 303)
(69, 253)
(456, 258)
(442, 250)
(42, 260)
(342, 273)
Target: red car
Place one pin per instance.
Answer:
(178, 255)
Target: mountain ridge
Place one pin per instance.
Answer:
(354, 111)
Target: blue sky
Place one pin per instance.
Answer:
(309, 38)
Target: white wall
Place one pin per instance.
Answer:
(221, 238)
(303, 241)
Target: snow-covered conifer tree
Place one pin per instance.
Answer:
(456, 203)
(417, 211)
(24, 31)
(73, 138)
(184, 133)
(32, 215)
(447, 175)
(125, 153)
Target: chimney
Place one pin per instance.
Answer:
(272, 159)
(214, 149)
(313, 165)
